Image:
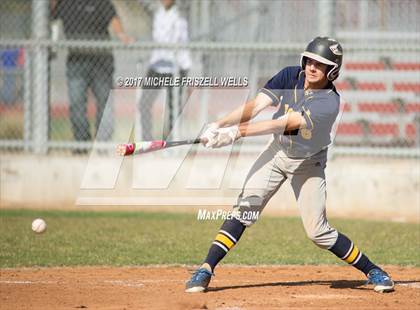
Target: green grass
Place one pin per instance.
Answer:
(11, 126)
(60, 129)
(141, 238)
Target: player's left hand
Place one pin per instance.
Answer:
(225, 136)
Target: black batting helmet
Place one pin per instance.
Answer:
(327, 51)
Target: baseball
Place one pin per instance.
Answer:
(39, 226)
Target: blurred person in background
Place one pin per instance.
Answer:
(168, 27)
(89, 20)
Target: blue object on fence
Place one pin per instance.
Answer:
(9, 61)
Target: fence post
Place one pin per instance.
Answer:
(364, 16)
(205, 29)
(27, 99)
(40, 17)
(326, 14)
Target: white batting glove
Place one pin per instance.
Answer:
(209, 134)
(225, 136)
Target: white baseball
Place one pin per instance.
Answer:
(39, 226)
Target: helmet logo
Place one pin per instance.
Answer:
(335, 50)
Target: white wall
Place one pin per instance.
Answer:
(371, 188)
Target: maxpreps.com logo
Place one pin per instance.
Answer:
(206, 215)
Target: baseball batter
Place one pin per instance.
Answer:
(308, 105)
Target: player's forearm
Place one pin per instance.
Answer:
(290, 121)
(247, 111)
(241, 114)
(263, 128)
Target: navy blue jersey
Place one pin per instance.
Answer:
(318, 107)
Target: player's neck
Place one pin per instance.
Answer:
(318, 85)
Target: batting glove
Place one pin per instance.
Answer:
(209, 134)
(225, 136)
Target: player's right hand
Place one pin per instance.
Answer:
(208, 137)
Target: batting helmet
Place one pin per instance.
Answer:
(327, 51)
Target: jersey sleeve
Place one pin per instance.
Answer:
(274, 87)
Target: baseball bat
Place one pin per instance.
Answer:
(150, 146)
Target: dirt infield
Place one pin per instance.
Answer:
(272, 287)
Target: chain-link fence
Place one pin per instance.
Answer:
(61, 62)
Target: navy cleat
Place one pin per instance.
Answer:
(199, 281)
(381, 281)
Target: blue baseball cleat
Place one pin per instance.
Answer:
(381, 281)
(199, 281)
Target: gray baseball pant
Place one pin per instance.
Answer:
(307, 178)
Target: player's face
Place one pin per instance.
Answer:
(315, 71)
